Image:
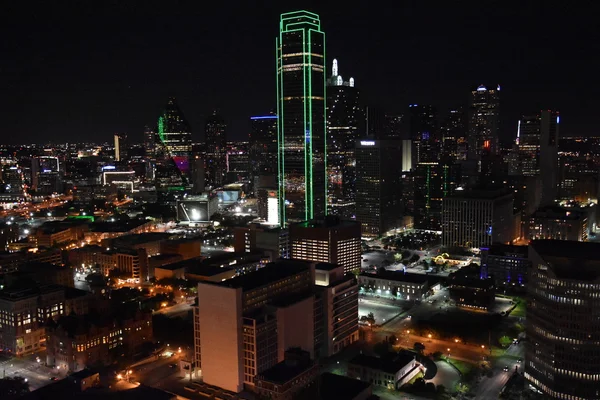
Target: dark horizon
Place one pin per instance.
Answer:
(81, 74)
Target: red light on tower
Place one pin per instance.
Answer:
(486, 144)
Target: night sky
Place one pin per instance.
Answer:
(71, 72)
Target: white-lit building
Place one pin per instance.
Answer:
(563, 319)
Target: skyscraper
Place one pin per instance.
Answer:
(563, 319)
(424, 133)
(150, 142)
(433, 181)
(301, 111)
(454, 135)
(216, 152)
(343, 116)
(262, 152)
(378, 185)
(484, 122)
(537, 149)
(120, 146)
(175, 136)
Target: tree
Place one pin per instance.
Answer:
(13, 387)
(392, 339)
(381, 349)
(371, 318)
(419, 347)
(505, 341)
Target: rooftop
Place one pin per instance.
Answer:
(64, 389)
(398, 276)
(329, 221)
(570, 259)
(272, 272)
(286, 370)
(323, 266)
(117, 226)
(141, 238)
(390, 364)
(339, 387)
(485, 194)
(553, 211)
(507, 250)
(34, 290)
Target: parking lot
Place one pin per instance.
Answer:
(36, 373)
(383, 312)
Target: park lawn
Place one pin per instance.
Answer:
(462, 366)
(519, 310)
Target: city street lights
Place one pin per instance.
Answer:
(448, 352)
(429, 336)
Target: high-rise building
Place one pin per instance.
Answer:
(477, 218)
(563, 319)
(301, 111)
(424, 133)
(120, 146)
(537, 146)
(216, 150)
(433, 181)
(329, 240)
(262, 152)
(343, 117)
(150, 142)
(555, 222)
(378, 185)
(175, 138)
(484, 122)
(454, 135)
(46, 175)
(245, 324)
(375, 122)
(394, 126)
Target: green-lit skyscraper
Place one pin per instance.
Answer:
(301, 110)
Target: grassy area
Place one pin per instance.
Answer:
(520, 310)
(462, 366)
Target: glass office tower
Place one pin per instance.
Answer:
(301, 110)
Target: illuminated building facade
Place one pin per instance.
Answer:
(343, 116)
(301, 110)
(477, 218)
(454, 135)
(46, 175)
(175, 136)
(329, 240)
(433, 181)
(563, 319)
(484, 122)
(245, 324)
(378, 185)
(424, 133)
(216, 150)
(537, 146)
(263, 146)
(120, 146)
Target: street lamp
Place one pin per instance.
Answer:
(448, 352)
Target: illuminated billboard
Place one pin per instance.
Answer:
(193, 211)
(228, 196)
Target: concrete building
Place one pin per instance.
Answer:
(23, 313)
(338, 301)
(395, 284)
(186, 248)
(274, 242)
(378, 185)
(285, 379)
(133, 262)
(563, 319)
(57, 232)
(328, 240)
(507, 265)
(477, 218)
(553, 222)
(244, 325)
(75, 342)
(390, 371)
(468, 288)
(11, 261)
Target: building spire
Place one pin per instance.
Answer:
(334, 69)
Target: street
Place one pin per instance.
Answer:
(36, 373)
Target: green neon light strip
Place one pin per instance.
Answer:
(324, 122)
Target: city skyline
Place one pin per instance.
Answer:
(101, 81)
